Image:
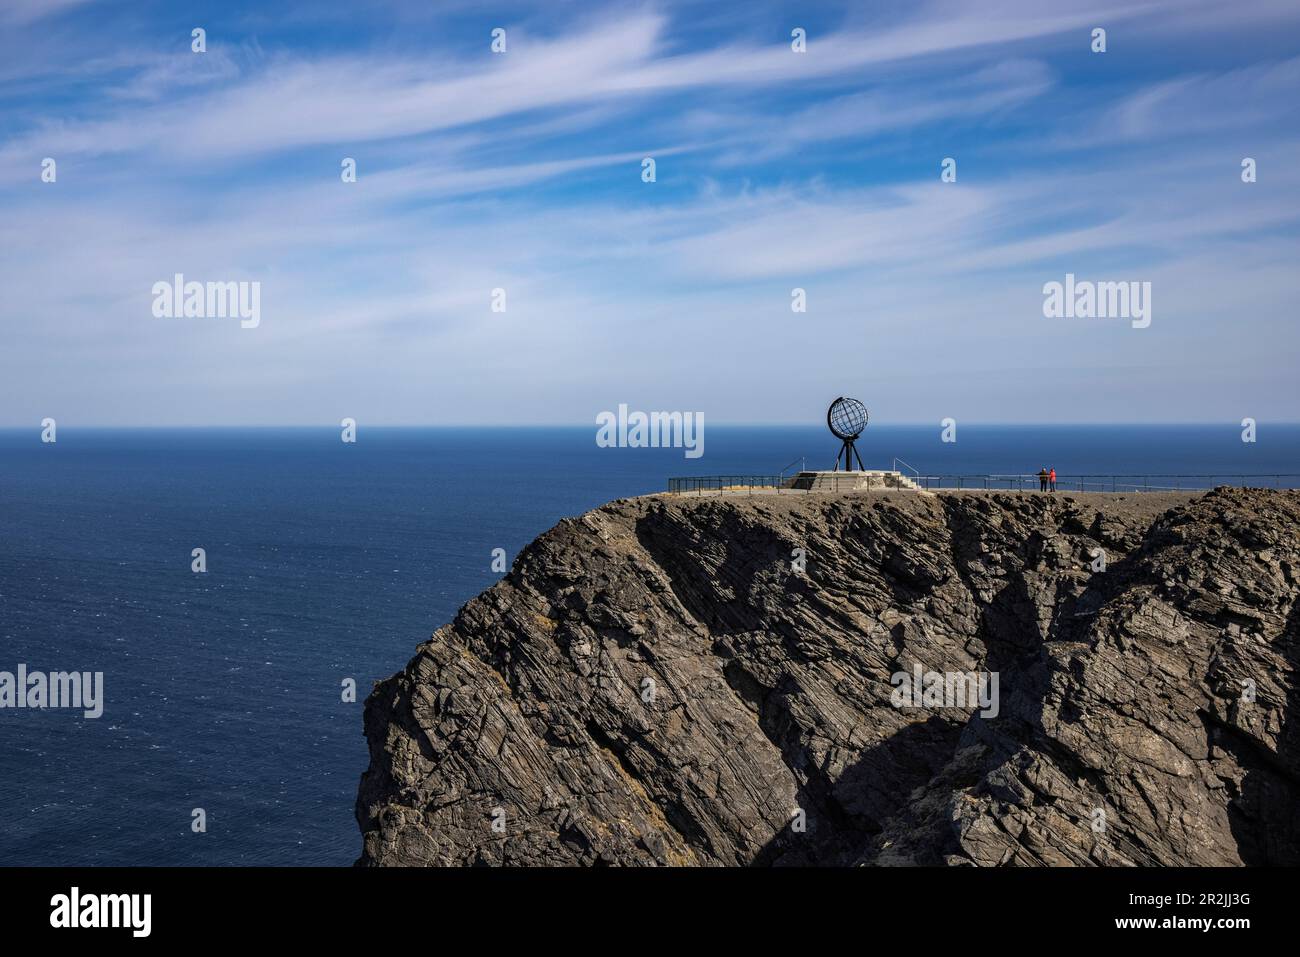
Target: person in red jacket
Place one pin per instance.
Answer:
(1051, 478)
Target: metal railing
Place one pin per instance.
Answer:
(916, 473)
(850, 481)
(803, 465)
(825, 482)
(726, 483)
(1153, 482)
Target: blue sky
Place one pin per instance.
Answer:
(522, 171)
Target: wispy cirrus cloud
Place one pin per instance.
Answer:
(523, 171)
(295, 101)
(25, 12)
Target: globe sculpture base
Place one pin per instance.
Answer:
(855, 481)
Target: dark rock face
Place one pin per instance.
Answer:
(656, 683)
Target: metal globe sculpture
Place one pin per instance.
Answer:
(846, 418)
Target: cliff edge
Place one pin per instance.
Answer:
(676, 680)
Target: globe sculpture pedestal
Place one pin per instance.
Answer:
(858, 480)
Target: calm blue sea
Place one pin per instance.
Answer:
(329, 561)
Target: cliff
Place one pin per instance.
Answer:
(656, 683)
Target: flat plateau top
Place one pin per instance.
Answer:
(1173, 497)
(1138, 505)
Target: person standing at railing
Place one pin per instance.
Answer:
(1042, 479)
(1051, 479)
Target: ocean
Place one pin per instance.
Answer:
(326, 562)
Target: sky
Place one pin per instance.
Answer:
(523, 171)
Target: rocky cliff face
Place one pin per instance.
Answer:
(658, 682)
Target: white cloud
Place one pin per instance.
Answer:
(522, 172)
(24, 12)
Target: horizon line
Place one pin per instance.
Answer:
(584, 425)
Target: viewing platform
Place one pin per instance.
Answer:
(867, 480)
